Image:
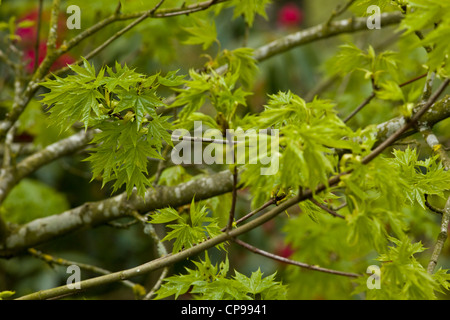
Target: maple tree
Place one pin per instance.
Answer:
(359, 177)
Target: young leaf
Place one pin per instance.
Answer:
(188, 232)
(202, 32)
(249, 8)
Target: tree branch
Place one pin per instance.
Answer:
(438, 112)
(325, 208)
(316, 33)
(63, 262)
(230, 235)
(162, 251)
(340, 10)
(433, 142)
(92, 214)
(373, 95)
(233, 200)
(11, 176)
(293, 262)
(442, 237)
(322, 31)
(160, 197)
(117, 16)
(54, 53)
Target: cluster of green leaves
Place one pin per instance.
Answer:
(378, 195)
(210, 282)
(224, 91)
(201, 31)
(309, 133)
(189, 229)
(384, 72)
(422, 177)
(432, 19)
(403, 277)
(378, 68)
(122, 105)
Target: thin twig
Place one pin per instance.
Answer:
(203, 140)
(162, 251)
(433, 142)
(442, 237)
(373, 94)
(8, 154)
(362, 105)
(340, 10)
(53, 28)
(233, 200)
(252, 213)
(156, 286)
(409, 124)
(325, 208)
(339, 207)
(7, 60)
(293, 262)
(117, 16)
(63, 262)
(161, 166)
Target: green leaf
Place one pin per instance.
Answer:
(209, 282)
(257, 286)
(171, 79)
(249, 8)
(121, 153)
(188, 233)
(349, 58)
(242, 62)
(6, 294)
(158, 131)
(140, 103)
(122, 76)
(360, 6)
(203, 31)
(193, 97)
(422, 177)
(74, 98)
(165, 215)
(403, 277)
(390, 90)
(86, 73)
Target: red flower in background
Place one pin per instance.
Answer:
(29, 54)
(28, 41)
(290, 15)
(285, 250)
